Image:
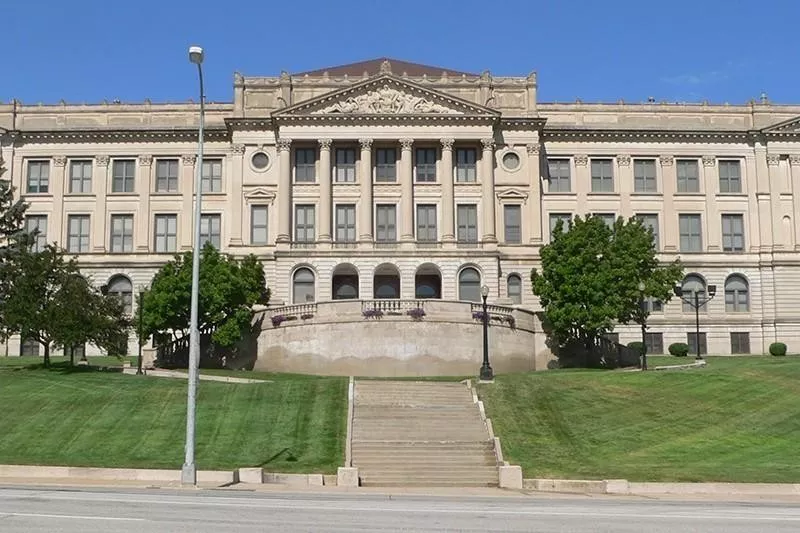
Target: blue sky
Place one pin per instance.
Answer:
(596, 50)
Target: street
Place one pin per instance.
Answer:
(155, 510)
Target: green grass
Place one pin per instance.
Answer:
(736, 420)
(36, 361)
(86, 417)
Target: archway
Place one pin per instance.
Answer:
(469, 285)
(428, 282)
(303, 286)
(386, 282)
(120, 286)
(345, 282)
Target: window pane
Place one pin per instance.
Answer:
(386, 223)
(466, 168)
(513, 224)
(258, 224)
(644, 176)
(559, 173)
(602, 176)
(210, 230)
(212, 175)
(304, 223)
(469, 285)
(346, 223)
(730, 177)
(37, 224)
(386, 164)
(166, 233)
(305, 161)
(467, 222)
(426, 223)
(690, 237)
(514, 288)
(345, 165)
(38, 177)
(688, 175)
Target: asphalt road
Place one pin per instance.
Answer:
(145, 511)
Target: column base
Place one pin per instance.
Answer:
(283, 238)
(491, 237)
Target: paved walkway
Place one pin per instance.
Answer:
(203, 377)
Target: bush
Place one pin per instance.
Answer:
(777, 348)
(637, 345)
(679, 349)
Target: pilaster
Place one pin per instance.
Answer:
(669, 186)
(763, 212)
(406, 191)
(535, 178)
(285, 191)
(58, 187)
(712, 224)
(365, 177)
(624, 184)
(448, 192)
(582, 183)
(100, 188)
(236, 194)
(325, 192)
(144, 179)
(775, 188)
(487, 192)
(794, 170)
(186, 217)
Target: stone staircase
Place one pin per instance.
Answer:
(408, 433)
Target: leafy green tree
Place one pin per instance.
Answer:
(12, 239)
(228, 290)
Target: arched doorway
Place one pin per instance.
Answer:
(386, 282)
(121, 287)
(469, 285)
(345, 282)
(428, 282)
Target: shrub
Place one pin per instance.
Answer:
(417, 313)
(372, 313)
(679, 349)
(637, 345)
(777, 348)
(277, 320)
(477, 315)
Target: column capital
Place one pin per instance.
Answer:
(624, 160)
(406, 143)
(283, 144)
(709, 160)
(447, 143)
(773, 160)
(60, 161)
(581, 160)
(533, 149)
(237, 149)
(666, 160)
(145, 160)
(325, 144)
(794, 160)
(189, 159)
(366, 144)
(488, 143)
(102, 160)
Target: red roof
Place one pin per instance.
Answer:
(373, 66)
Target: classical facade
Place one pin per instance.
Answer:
(392, 180)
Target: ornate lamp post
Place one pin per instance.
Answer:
(696, 302)
(486, 370)
(642, 304)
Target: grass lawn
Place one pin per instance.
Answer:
(85, 417)
(736, 420)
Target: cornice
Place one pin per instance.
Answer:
(122, 135)
(358, 120)
(249, 124)
(573, 134)
(522, 123)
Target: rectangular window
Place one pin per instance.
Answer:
(644, 176)
(78, 234)
(345, 165)
(650, 220)
(466, 166)
(212, 175)
(426, 223)
(211, 230)
(730, 176)
(80, 177)
(123, 174)
(258, 225)
(733, 233)
(426, 164)
(690, 234)
(555, 218)
(304, 223)
(613, 337)
(346, 223)
(602, 175)
(651, 305)
(512, 220)
(558, 171)
(386, 164)
(654, 343)
(38, 177)
(688, 172)
(166, 234)
(740, 343)
(467, 222)
(607, 218)
(166, 175)
(121, 234)
(386, 223)
(691, 340)
(305, 165)
(29, 347)
(37, 224)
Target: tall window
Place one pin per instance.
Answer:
(38, 177)
(304, 222)
(37, 225)
(386, 223)
(211, 230)
(514, 288)
(654, 343)
(607, 218)
(650, 220)
(555, 218)
(469, 285)
(737, 296)
(558, 171)
(644, 176)
(512, 222)
(212, 175)
(651, 305)
(166, 175)
(732, 233)
(730, 176)
(303, 286)
(692, 340)
(740, 342)
(345, 165)
(123, 174)
(693, 284)
(426, 164)
(602, 175)
(78, 237)
(121, 234)
(426, 223)
(690, 233)
(305, 165)
(688, 172)
(386, 164)
(258, 225)
(467, 222)
(346, 223)
(122, 288)
(166, 233)
(29, 347)
(466, 166)
(80, 177)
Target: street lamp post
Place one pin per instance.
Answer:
(642, 303)
(486, 370)
(189, 470)
(696, 302)
(140, 320)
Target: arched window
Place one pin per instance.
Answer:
(121, 287)
(693, 284)
(469, 285)
(303, 286)
(345, 282)
(737, 296)
(514, 288)
(386, 282)
(428, 282)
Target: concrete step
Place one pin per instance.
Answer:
(389, 444)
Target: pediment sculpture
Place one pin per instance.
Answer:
(387, 100)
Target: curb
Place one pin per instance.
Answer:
(624, 487)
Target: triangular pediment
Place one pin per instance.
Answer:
(787, 126)
(386, 95)
(260, 194)
(512, 195)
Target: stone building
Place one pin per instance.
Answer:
(386, 179)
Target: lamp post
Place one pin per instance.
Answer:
(486, 370)
(139, 327)
(189, 470)
(642, 304)
(696, 302)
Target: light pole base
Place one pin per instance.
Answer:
(486, 373)
(189, 475)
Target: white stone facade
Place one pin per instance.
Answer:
(474, 167)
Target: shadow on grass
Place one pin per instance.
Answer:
(286, 451)
(64, 367)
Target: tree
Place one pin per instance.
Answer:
(12, 238)
(228, 290)
(590, 277)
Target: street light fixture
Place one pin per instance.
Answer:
(642, 304)
(486, 370)
(189, 470)
(696, 302)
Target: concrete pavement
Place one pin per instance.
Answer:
(145, 511)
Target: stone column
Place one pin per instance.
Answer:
(711, 223)
(58, 187)
(794, 169)
(186, 218)
(487, 191)
(535, 178)
(448, 192)
(624, 184)
(776, 185)
(365, 176)
(669, 185)
(325, 194)
(285, 191)
(235, 194)
(100, 188)
(141, 234)
(582, 184)
(406, 191)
